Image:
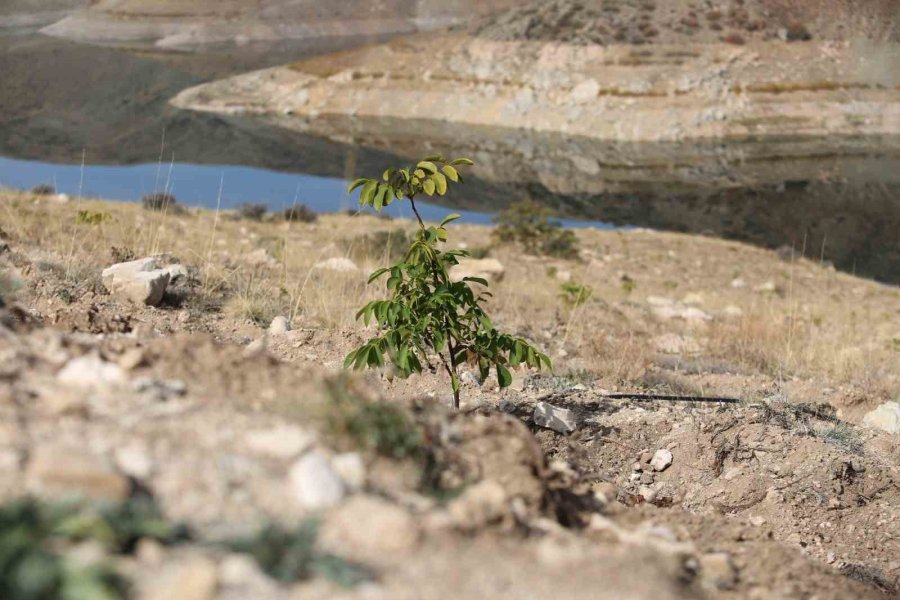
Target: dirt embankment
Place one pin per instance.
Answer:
(230, 427)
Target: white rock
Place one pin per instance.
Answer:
(552, 417)
(282, 442)
(738, 283)
(279, 326)
(351, 469)
(338, 264)
(659, 301)
(661, 460)
(314, 483)
(584, 92)
(134, 460)
(90, 371)
(486, 268)
(141, 281)
(886, 417)
(767, 287)
(127, 269)
(648, 493)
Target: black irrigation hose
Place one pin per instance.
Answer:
(669, 398)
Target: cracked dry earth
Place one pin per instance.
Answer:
(641, 499)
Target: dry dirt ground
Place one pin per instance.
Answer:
(784, 494)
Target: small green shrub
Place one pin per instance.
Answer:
(427, 314)
(628, 284)
(251, 212)
(91, 217)
(532, 226)
(160, 202)
(35, 537)
(122, 254)
(290, 555)
(43, 189)
(377, 426)
(480, 252)
(301, 214)
(574, 293)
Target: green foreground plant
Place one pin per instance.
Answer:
(40, 542)
(427, 313)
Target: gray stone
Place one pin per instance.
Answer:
(886, 418)
(368, 529)
(141, 281)
(60, 471)
(314, 483)
(281, 442)
(552, 417)
(480, 504)
(662, 459)
(279, 326)
(188, 578)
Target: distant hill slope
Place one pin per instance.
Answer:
(639, 22)
(24, 14)
(188, 24)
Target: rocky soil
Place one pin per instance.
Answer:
(564, 485)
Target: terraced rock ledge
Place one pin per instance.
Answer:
(766, 90)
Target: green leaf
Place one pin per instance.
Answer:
(451, 173)
(461, 161)
(428, 166)
(480, 280)
(450, 218)
(388, 174)
(504, 377)
(356, 184)
(368, 193)
(377, 274)
(428, 186)
(434, 158)
(440, 183)
(378, 202)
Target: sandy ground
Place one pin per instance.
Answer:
(781, 495)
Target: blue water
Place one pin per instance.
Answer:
(199, 185)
